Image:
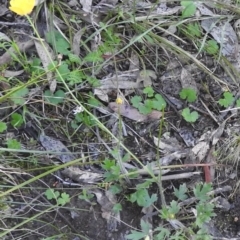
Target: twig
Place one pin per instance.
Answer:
(15, 24)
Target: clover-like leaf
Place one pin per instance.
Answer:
(227, 99)
(3, 127)
(189, 94)
(54, 98)
(189, 116)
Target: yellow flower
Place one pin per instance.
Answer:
(119, 100)
(22, 7)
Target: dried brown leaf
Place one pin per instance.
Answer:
(132, 113)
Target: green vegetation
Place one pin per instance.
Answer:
(189, 116)
(63, 87)
(151, 101)
(61, 199)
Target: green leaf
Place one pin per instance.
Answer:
(115, 189)
(3, 127)
(148, 103)
(181, 192)
(211, 47)
(55, 98)
(85, 195)
(159, 103)
(110, 177)
(189, 8)
(135, 235)
(189, 116)
(145, 226)
(16, 120)
(189, 94)
(94, 57)
(144, 109)
(204, 213)
(65, 198)
(149, 91)
(117, 208)
(107, 164)
(58, 41)
(75, 77)
(143, 199)
(164, 233)
(36, 66)
(93, 81)
(136, 101)
(194, 29)
(174, 207)
(227, 100)
(62, 46)
(63, 72)
(74, 58)
(200, 191)
(164, 213)
(51, 194)
(18, 96)
(13, 144)
(145, 184)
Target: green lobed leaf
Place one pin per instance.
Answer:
(3, 127)
(51, 194)
(189, 94)
(13, 144)
(135, 235)
(18, 96)
(227, 99)
(74, 58)
(163, 234)
(181, 192)
(63, 71)
(189, 116)
(136, 101)
(149, 91)
(55, 98)
(144, 109)
(174, 207)
(201, 190)
(117, 207)
(159, 103)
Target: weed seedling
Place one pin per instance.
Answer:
(227, 99)
(189, 94)
(61, 199)
(202, 214)
(3, 127)
(152, 101)
(189, 116)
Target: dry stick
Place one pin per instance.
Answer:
(209, 112)
(15, 24)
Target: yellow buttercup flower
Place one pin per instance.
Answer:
(22, 7)
(119, 100)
